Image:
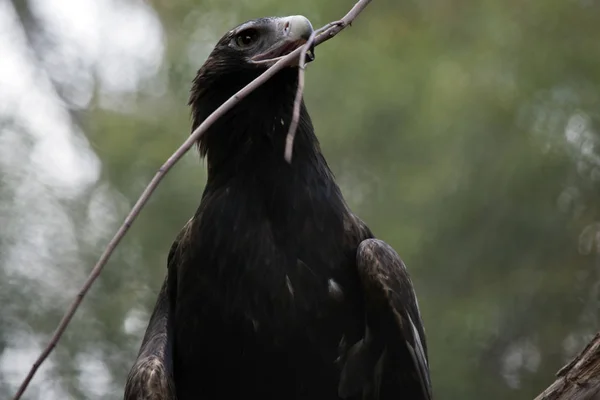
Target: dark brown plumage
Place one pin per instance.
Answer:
(275, 289)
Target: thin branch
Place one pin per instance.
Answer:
(328, 33)
(322, 34)
(289, 140)
(333, 28)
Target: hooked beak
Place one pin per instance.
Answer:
(292, 32)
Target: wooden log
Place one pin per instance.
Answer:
(579, 379)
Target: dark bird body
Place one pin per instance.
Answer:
(275, 290)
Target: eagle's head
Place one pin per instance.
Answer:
(259, 43)
(240, 56)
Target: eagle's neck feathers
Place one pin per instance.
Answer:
(251, 137)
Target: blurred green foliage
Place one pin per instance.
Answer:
(463, 132)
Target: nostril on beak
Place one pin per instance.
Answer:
(286, 27)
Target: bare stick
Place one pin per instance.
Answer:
(322, 34)
(333, 28)
(289, 140)
(328, 33)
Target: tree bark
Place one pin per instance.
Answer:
(580, 379)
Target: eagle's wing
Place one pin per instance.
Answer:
(391, 360)
(151, 377)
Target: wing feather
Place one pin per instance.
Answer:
(395, 355)
(151, 376)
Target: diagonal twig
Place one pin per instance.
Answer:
(326, 33)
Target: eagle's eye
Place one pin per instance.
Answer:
(246, 38)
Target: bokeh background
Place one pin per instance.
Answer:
(464, 132)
